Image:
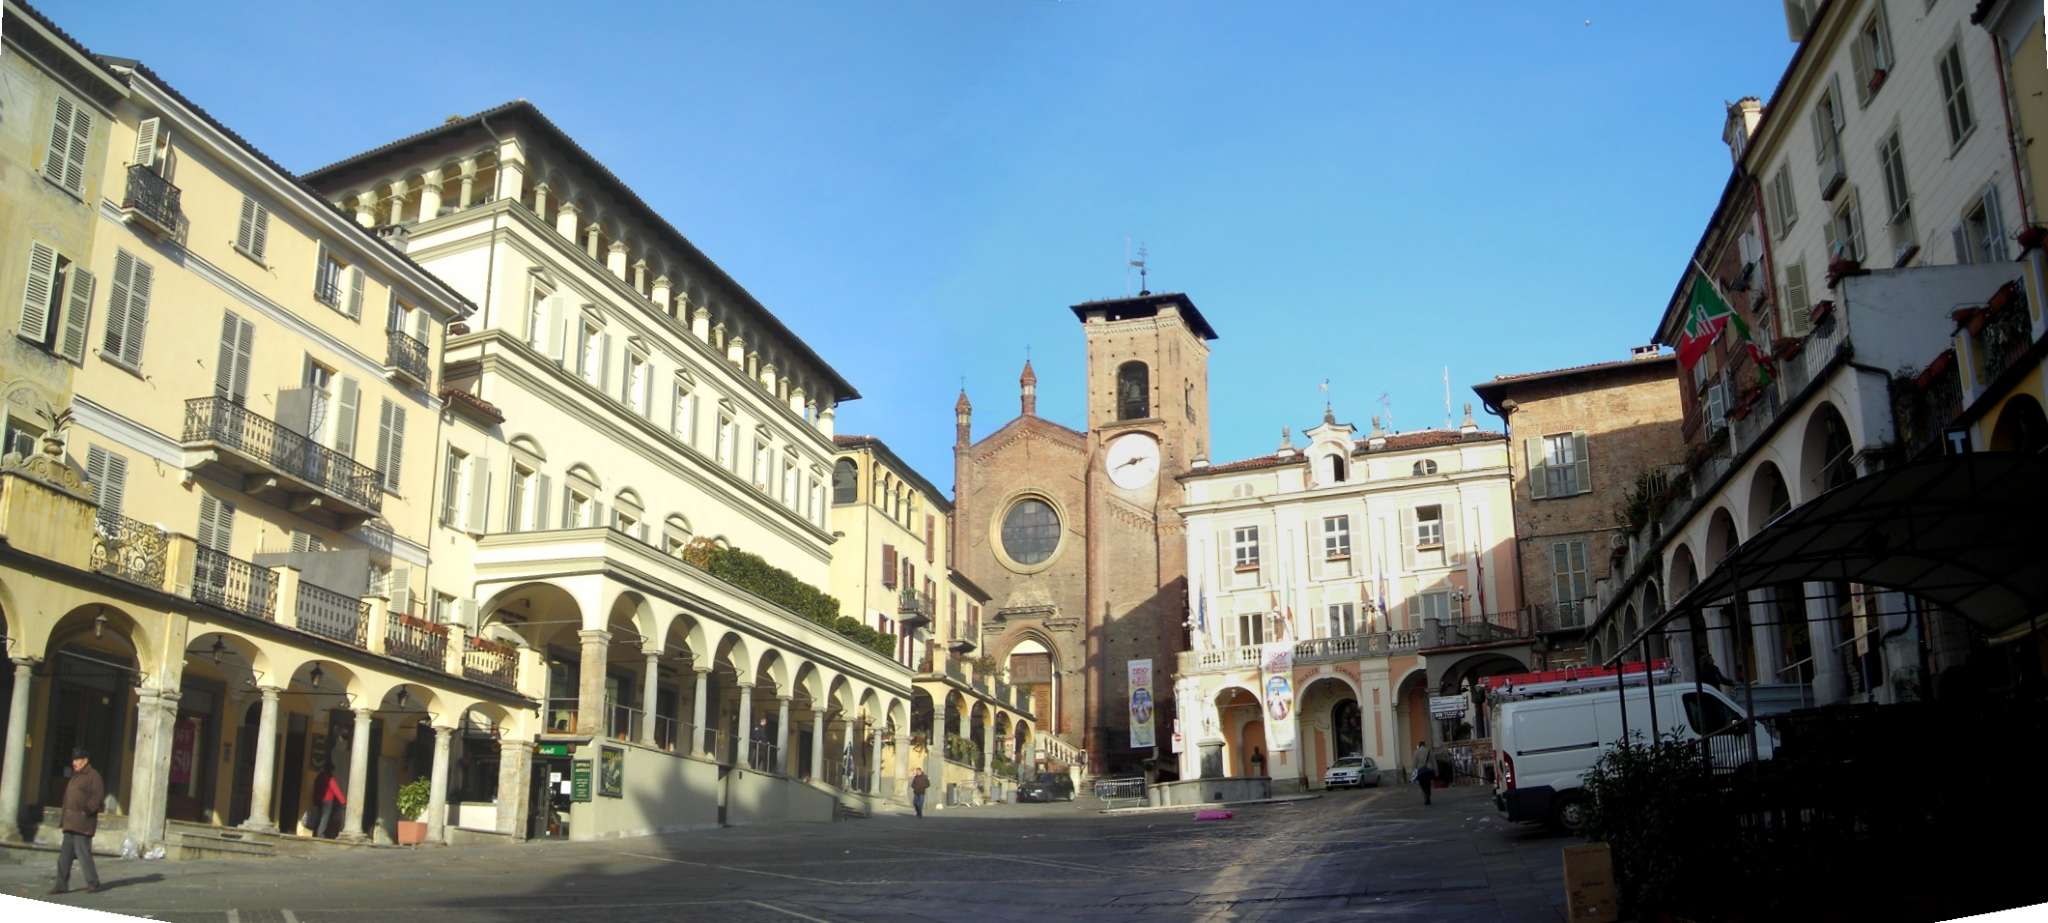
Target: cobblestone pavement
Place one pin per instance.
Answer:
(1376, 853)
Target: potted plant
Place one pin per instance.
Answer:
(412, 802)
(2033, 237)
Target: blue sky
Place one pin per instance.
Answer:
(1365, 192)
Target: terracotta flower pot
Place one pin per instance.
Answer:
(412, 832)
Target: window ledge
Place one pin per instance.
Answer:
(60, 186)
(1439, 546)
(1337, 557)
(258, 260)
(1247, 569)
(120, 363)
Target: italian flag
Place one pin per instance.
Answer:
(1706, 314)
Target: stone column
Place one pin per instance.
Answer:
(437, 789)
(662, 293)
(700, 322)
(902, 768)
(468, 193)
(615, 258)
(1763, 634)
(430, 195)
(875, 762)
(590, 716)
(697, 735)
(511, 183)
(1721, 639)
(565, 220)
(156, 710)
(359, 770)
(366, 209)
(17, 745)
(1890, 612)
(1830, 682)
(650, 696)
(782, 733)
(743, 753)
(259, 819)
(818, 744)
(515, 773)
(591, 233)
(540, 202)
(397, 202)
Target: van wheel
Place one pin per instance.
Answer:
(1570, 814)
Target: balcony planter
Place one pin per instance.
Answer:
(2001, 298)
(1935, 368)
(458, 329)
(1787, 347)
(2033, 237)
(1842, 268)
(1821, 311)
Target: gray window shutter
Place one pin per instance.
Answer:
(1408, 539)
(540, 503)
(391, 444)
(96, 476)
(1582, 464)
(60, 141)
(398, 587)
(78, 316)
(1994, 226)
(1962, 242)
(42, 282)
(117, 303)
(245, 231)
(224, 367)
(345, 417)
(479, 495)
(451, 479)
(355, 293)
(568, 507)
(604, 360)
(597, 513)
(302, 542)
(216, 523)
(1453, 517)
(1539, 476)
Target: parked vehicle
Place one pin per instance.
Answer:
(1049, 786)
(1352, 772)
(1544, 745)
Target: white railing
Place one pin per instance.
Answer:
(1056, 749)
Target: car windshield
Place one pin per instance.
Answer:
(1349, 762)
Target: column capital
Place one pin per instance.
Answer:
(595, 634)
(595, 228)
(364, 714)
(516, 746)
(25, 661)
(542, 187)
(441, 735)
(700, 668)
(785, 699)
(468, 166)
(270, 693)
(169, 697)
(431, 176)
(652, 655)
(399, 186)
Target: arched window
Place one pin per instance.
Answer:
(1338, 470)
(845, 481)
(1425, 466)
(1133, 391)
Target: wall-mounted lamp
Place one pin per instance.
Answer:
(219, 648)
(314, 677)
(404, 697)
(99, 624)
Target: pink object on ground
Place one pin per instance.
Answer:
(1213, 814)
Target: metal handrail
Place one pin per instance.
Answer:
(406, 354)
(154, 197)
(129, 549)
(221, 420)
(416, 641)
(335, 616)
(234, 584)
(490, 662)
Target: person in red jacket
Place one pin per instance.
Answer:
(328, 793)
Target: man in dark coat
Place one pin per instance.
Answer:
(84, 796)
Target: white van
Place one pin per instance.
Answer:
(1544, 745)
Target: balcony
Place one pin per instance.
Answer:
(2002, 334)
(152, 201)
(266, 458)
(234, 584)
(913, 610)
(416, 641)
(336, 616)
(131, 550)
(490, 662)
(405, 358)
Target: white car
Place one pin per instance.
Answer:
(1351, 772)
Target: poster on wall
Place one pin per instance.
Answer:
(1140, 673)
(611, 772)
(184, 740)
(1277, 669)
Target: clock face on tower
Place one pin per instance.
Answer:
(1132, 460)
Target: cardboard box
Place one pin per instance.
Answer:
(1590, 894)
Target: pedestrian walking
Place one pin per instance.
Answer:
(329, 794)
(1425, 769)
(919, 782)
(84, 796)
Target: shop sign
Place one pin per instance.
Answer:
(579, 781)
(547, 749)
(1448, 706)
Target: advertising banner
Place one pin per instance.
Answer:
(1277, 673)
(1141, 703)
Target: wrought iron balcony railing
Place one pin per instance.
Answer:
(230, 425)
(335, 616)
(153, 200)
(416, 641)
(406, 356)
(234, 584)
(128, 549)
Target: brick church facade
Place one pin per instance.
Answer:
(1074, 532)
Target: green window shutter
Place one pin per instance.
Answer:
(1539, 477)
(1582, 464)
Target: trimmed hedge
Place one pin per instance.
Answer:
(753, 573)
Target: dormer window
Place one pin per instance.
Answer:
(1335, 467)
(1424, 467)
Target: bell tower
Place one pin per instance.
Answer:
(1148, 369)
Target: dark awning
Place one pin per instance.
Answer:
(1957, 531)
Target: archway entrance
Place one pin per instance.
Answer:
(1328, 726)
(1033, 667)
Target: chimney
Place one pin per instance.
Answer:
(1639, 353)
(1743, 116)
(1470, 425)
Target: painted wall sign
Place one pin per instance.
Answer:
(579, 781)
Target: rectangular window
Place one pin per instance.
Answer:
(1244, 546)
(1845, 231)
(1981, 236)
(1891, 161)
(1251, 629)
(1566, 469)
(252, 233)
(1871, 54)
(682, 419)
(789, 483)
(106, 475)
(444, 609)
(1434, 606)
(1827, 138)
(231, 370)
(337, 284)
(763, 462)
(725, 442)
(56, 303)
(593, 350)
(128, 309)
(1343, 619)
(638, 395)
(1336, 537)
(22, 438)
(1429, 527)
(452, 490)
(540, 306)
(521, 492)
(1568, 575)
(1955, 94)
(1784, 208)
(70, 138)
